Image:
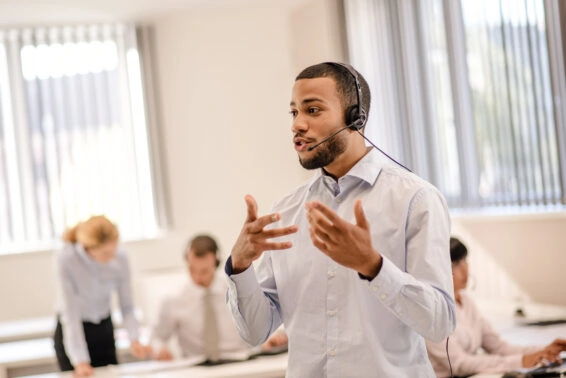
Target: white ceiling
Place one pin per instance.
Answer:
(20, 12)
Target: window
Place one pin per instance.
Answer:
(73, 134)
(465, 93)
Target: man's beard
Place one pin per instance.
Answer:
(325, 153)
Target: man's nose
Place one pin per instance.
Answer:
(300, 124)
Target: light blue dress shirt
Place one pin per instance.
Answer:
(85, 288)
(340, 325)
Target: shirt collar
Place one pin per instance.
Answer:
(215, 287)
(83, 254)
(366, 169)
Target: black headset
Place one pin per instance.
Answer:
(356, 116)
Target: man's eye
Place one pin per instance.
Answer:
(293, 113)
(313, 110)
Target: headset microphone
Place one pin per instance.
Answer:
(328, 137)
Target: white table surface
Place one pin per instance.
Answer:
(259, 367)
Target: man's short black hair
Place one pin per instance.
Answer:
(345, 83)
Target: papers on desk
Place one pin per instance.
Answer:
(145, 367)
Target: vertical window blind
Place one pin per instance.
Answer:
(73, 134)
(468, 93)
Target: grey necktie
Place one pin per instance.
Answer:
(210, 331)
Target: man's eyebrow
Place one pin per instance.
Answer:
(307, 101)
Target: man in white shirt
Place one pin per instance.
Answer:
(354, 262)
(185, 316)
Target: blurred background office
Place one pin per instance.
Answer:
(183, 103)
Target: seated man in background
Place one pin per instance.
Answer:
(198, 315)
(473, 333)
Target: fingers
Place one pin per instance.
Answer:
(325, 225)
(316, 240)
(328, 221)
(277, 232)
(315, 207)
(257, 225)
(255, 238)
(272, 246)
(252, 208)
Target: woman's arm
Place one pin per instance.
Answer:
(70, 317)
(127, 309)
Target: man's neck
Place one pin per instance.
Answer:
(341, 166)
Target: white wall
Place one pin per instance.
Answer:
(516, 257)
(224, 78)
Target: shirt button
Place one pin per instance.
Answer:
(332, 352)
(331, 312)
(383, 296)
(339, 200)
(374, 288)
(331, 274)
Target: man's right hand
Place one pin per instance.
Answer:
(83, 369)
(254, 239)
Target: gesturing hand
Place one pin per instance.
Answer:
(346, 243)
(254, 238)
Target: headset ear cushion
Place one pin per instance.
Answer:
(352, 117)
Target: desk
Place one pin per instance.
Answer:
(19, 358)
(26, 346)
(259, 367)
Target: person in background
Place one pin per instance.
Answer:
(90, 267)
(354, 262)
(185, 315)
(474, 333)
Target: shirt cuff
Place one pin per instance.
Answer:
(228, 269)
(245, 281)
(378, 270)
(388, 283)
